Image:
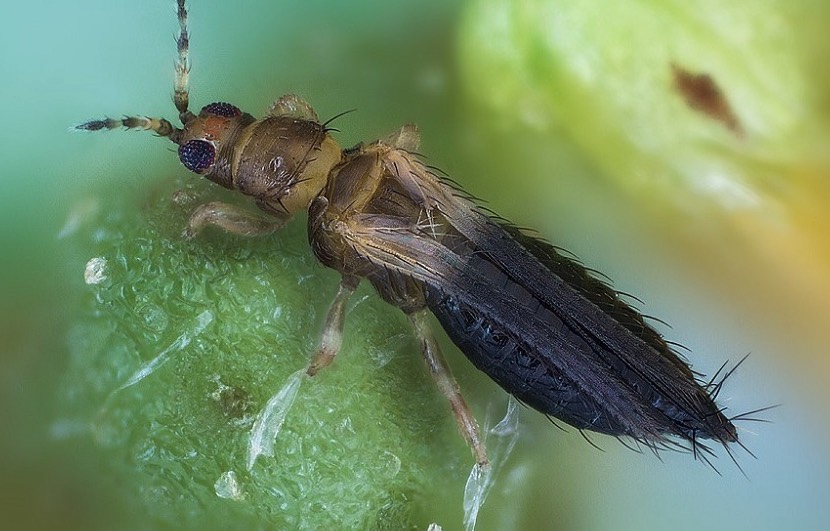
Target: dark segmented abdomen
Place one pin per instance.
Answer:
(586, 358)
(516, 368)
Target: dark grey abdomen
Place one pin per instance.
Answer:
(513, 365)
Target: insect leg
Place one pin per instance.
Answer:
(439, 370)
(332, 337)
(295, 107)
(229, 218)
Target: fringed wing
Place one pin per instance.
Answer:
(534, 320)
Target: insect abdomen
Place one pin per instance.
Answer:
(518, 370)
(596, 366)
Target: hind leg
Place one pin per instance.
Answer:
(440, 372)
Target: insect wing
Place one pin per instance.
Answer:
(615, 333)
(536, 321)
(498, 328)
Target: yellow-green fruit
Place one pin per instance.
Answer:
(713, 116)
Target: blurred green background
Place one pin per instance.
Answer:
(560, 114)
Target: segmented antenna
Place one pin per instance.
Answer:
(160, 126)
(180, 90)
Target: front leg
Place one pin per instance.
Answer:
(230, 218)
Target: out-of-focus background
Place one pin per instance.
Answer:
(572, 118)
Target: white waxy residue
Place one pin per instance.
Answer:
(202, 321)
(499, 442)
(81, 212)
(95, 271)
(269, 421)
(228, 486)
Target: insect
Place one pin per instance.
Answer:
(534, 320)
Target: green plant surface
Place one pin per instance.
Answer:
(361, 440)
(606, 74)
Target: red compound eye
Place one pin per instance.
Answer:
(223, 109)
(197, 155)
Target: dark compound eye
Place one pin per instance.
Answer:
(221, 108)
(197, 155)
